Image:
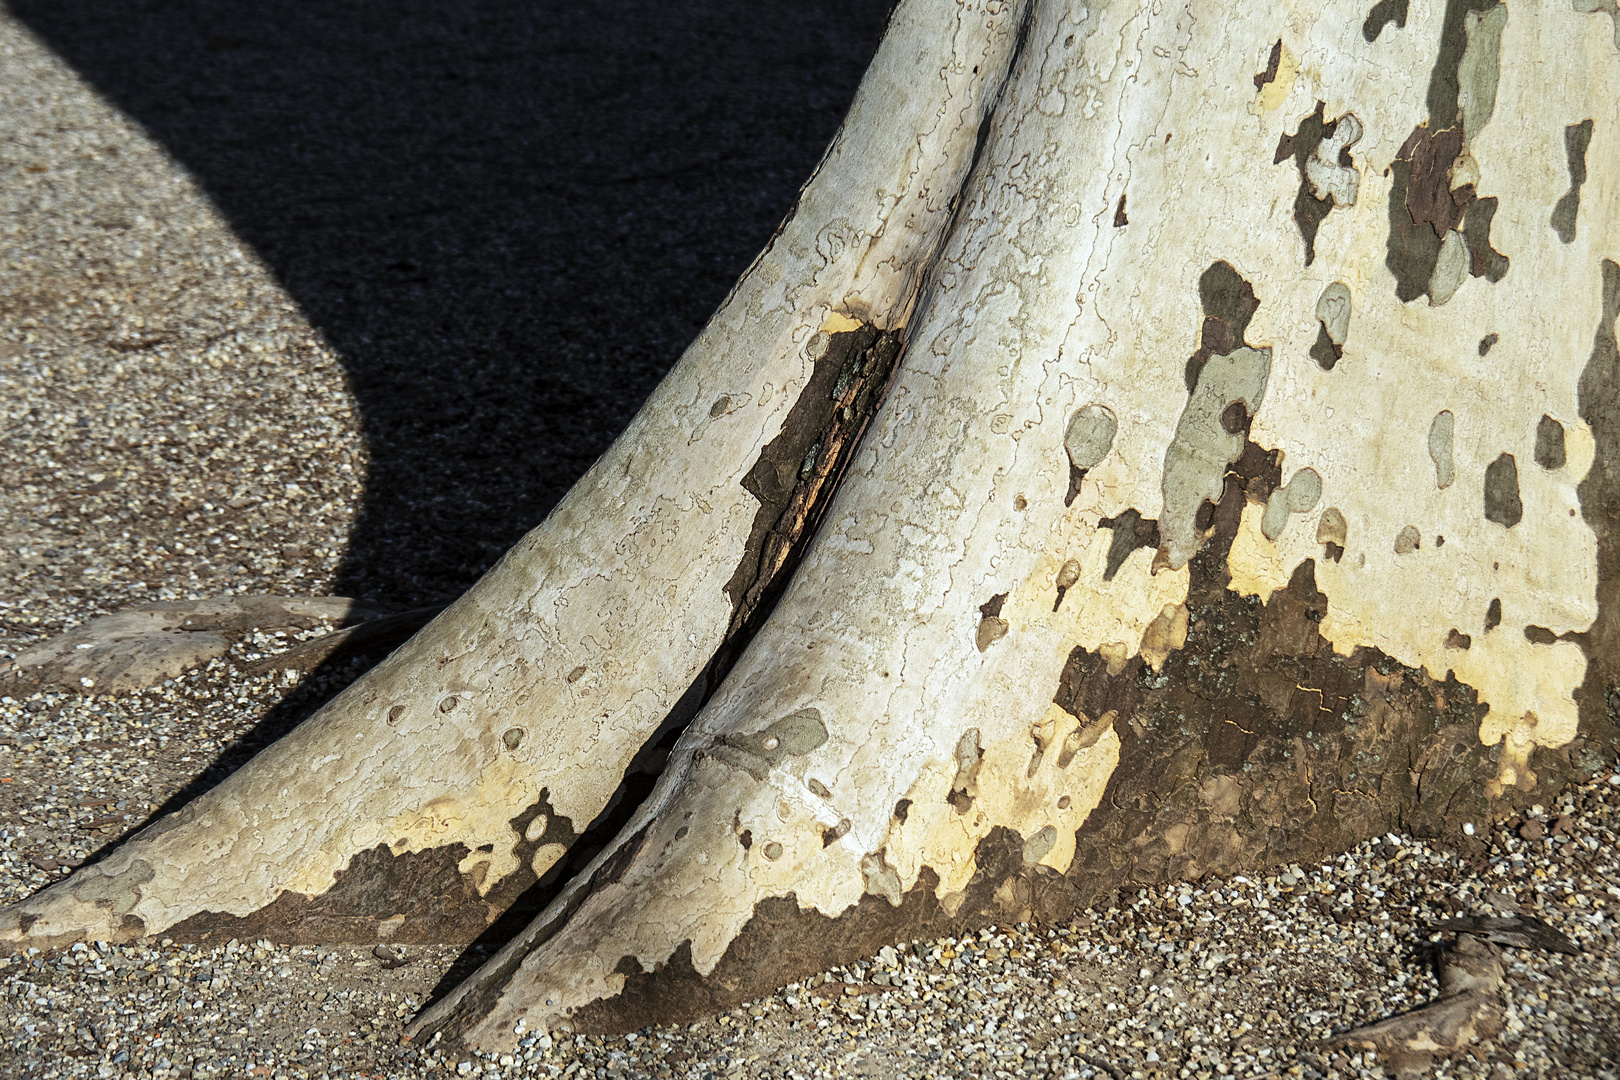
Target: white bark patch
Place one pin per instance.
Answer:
(1608, 7)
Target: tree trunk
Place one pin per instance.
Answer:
(1229, 505)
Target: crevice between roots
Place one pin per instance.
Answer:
(795, 478)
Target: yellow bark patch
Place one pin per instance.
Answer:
(1275, 92)
(1166, 633)
(1020, 786)
(1372, 585)
(478, 815)
(838, 323)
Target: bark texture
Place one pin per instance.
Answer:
(1088, 613)
(1247, 486)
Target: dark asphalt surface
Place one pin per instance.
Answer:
(508, 218)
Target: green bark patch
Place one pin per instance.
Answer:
(1577, 137)
(1550, 453)
(1444, 84)
(1441, 433)
(756, 753)
(1089, 437)
(1333, 325)
(1502, 502)
(1227, 383)
(1132, 532)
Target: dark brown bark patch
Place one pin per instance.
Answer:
(782, 942)
(1598, 395)
(412, 897)
(1256, 745)
(1325, 351)
(1502, 502)
(799, 470)
(1273, 62)
(1550, 453)
(1412, 249)
(1577, 137)
(1429, 198)
(1382, 14)
(1131, 533)
(1309, 211)
(1229, 303)
(1483, 259)
(1422, 206)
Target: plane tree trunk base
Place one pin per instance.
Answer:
(1255, 745)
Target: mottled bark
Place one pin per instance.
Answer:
(1093, 547)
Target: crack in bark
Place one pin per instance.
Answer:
(799, 471)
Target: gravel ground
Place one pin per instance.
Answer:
(242, 356)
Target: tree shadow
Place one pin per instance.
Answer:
(508, 218)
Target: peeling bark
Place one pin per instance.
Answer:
(1136, 565)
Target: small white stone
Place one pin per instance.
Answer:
(1468, 828)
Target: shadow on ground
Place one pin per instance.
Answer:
(508, 217)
